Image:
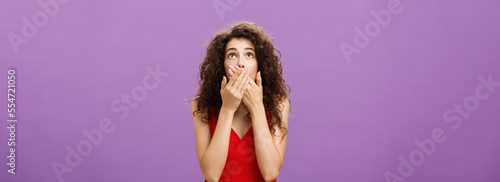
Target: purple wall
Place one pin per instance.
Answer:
(382, 90)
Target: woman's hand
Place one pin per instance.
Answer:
(232, 92)
(253, 96)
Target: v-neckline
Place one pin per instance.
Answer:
(246, 133)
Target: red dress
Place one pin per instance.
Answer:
(241, 164)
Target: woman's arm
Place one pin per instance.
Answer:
(269, 149)
(212, 153)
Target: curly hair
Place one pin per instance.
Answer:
(274, 91)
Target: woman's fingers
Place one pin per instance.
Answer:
(242, 83)
(238, 79)
(245, 85)
(231, 72)
(231, 81)
(259, 79)
(223, 85)
(243, 80)
(252, 82)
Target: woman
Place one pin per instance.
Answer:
(240, 112)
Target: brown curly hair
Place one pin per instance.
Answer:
(274, 91)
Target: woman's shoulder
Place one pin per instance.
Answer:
(284, 104)
(195, 109)
(194, 104)
(206, 112)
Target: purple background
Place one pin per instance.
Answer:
(349, 121)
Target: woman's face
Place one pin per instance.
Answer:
(240, 52)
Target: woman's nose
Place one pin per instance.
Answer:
(240, 64)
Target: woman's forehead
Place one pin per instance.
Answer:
(239, 44)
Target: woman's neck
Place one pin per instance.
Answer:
(242, 110)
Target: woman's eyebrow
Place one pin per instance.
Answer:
(232, 48)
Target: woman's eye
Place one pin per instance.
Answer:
(250, 55)
(232, 56)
